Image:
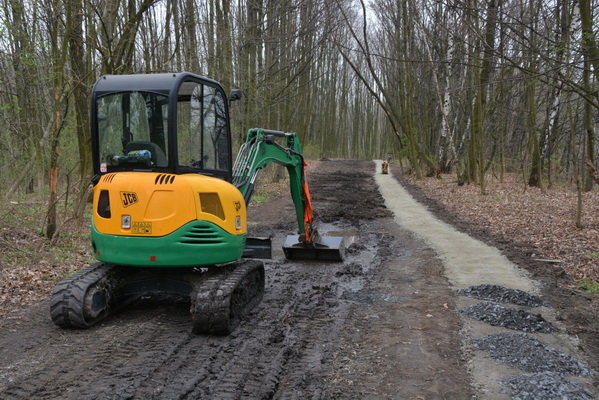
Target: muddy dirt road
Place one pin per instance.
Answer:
(384, 324)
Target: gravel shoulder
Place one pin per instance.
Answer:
(532, 230)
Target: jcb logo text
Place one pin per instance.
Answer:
(128, 198)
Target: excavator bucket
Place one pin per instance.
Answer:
(310, 245)
(328, 248)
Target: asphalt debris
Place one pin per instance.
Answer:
(500, 294)
(508, 317)
(520, 351)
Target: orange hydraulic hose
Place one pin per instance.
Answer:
(307, 207)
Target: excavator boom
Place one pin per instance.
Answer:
(261, 149)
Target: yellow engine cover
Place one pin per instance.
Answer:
(154, 204)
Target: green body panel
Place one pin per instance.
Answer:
(197, 243)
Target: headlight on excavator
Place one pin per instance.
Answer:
(210, 203)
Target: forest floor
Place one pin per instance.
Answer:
(383, 324)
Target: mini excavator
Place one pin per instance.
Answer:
(169, 205)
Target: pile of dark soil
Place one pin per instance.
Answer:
(336, 196)
(507, 317)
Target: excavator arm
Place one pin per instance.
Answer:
(261, 149)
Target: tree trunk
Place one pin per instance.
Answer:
(536, 171)
(80, 96)
(588, 35)
(589, 129)
(58, 54)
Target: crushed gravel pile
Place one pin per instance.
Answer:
(507, 317)
(501, 295)
(523, 352)
(546, 385)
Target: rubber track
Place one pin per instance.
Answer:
(225, 295)
(67, 298)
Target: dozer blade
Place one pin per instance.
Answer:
(328, 248)
(258, 247)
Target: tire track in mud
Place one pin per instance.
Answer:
(150, 348)
(74, 363)
(287, 342)
(138, 355)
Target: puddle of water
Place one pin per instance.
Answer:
(349, 235)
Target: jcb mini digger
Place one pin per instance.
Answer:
(169, 205)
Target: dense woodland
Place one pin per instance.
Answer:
(472, 86)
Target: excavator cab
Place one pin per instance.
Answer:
(161, 150)
(169, 123)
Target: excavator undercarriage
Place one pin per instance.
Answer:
(219, 295)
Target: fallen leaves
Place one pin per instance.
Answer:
(544, 220)
(30, 267)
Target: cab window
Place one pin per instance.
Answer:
(203, 139)
(132, 131)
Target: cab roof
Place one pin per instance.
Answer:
(161, 83)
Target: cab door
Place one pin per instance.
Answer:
(203, 136)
